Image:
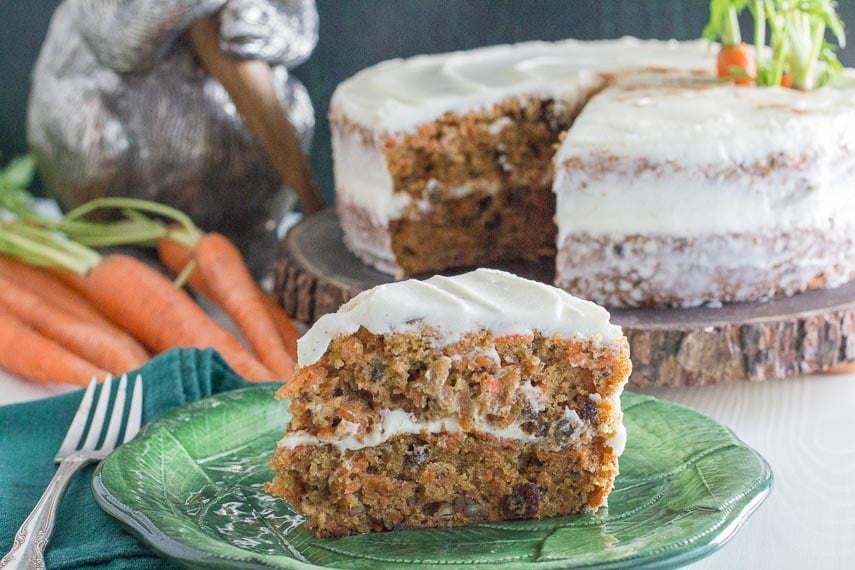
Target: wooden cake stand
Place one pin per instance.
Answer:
(804, 334)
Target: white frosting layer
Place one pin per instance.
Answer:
(361, 172)
(398, 422)
(400, 94)
(690, 161)
(483, 299)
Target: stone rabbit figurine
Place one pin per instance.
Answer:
(120, 106)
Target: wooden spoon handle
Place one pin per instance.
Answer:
(251, 88)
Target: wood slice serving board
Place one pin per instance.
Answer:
(807, 333)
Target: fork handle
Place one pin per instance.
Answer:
(31, 539)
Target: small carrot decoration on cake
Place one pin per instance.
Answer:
(798, 54)
(736, 62)
(735, 59)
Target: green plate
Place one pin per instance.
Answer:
(191, 486)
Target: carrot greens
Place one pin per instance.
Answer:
(798, 54)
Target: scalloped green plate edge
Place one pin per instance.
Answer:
(107, 494)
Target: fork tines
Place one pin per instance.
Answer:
(72, 442)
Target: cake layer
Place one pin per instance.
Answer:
(697, 159)
(469, 231)
(571, 430)
(655, 270)
(513, 223)
(464, 190)
(440, 479)
(368, 240)
(691, 192)
(366, 387)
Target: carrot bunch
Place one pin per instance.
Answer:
(798, 54)
(68, 313)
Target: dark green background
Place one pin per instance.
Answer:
(358, 33)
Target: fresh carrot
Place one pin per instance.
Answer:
(56, 294)
(52, 290)
(737, 57)
(233, 289)
(787, 80)
(288, 333)
(176, 256)
(147, 305)
(114, 353)
(26, 353)
(218, 272)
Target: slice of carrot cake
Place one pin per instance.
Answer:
(451, 401)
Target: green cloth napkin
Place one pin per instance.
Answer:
(31, 433)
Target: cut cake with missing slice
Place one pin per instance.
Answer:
(452, 401)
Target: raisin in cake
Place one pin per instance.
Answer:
(452, 401)
(653, 183)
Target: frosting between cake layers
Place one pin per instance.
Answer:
(697, 160)
(483, 299)
(398, 422)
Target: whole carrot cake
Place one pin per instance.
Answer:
(452, 401)
(650, 181)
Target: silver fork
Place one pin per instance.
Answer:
(31, 539)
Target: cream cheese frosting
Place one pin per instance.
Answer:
(482, 299)
(705, 151)
(400, 94)
(703, 122)
(398, 422)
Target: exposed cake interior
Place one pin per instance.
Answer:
(477, 187)
(445, 161)
(437, 421)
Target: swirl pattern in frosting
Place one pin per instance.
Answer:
(400, 94)
(482, 299)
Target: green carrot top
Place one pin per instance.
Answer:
(724, 21)
(798, 47)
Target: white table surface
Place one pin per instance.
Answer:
(803, 427)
